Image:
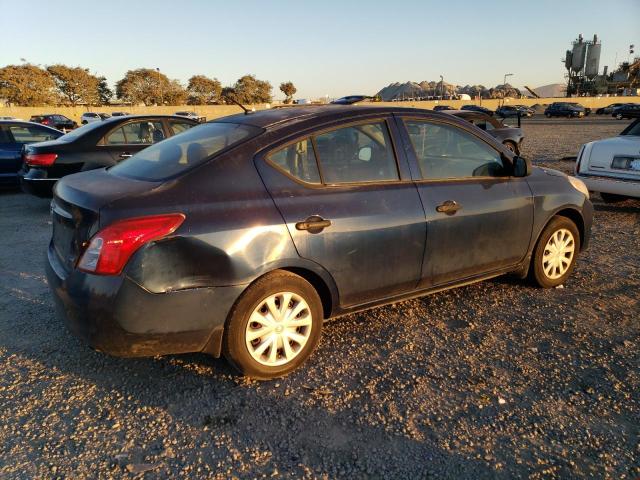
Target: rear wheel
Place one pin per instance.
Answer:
(548, 115)
(556, 251)
(274, 326)
(612, 197)
(619, 116)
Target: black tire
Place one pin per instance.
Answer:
(612, 197)
(511, 146)
(619, 116)
(537, 274)
(234, 345)
(548, 115)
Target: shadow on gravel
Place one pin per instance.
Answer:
(628, 206)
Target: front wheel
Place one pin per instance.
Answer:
(555, 254)
(619, 116)
(548, 115)
(274, 326)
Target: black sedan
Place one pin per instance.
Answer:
(630, 110)
(59, 122)
(510, 137)
(608, 110)
(242, 235)
(507, 111)
(441, 108)
(94, 145)
(14, 135)
(477, 108)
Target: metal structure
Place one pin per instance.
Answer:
(582, 63)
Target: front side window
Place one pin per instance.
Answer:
(359, 153)
(446, 152)
(298, 160)
(182, 152)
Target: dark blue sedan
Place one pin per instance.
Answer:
(14, 135)
(242, 235)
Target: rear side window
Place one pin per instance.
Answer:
(182, 152)
(179, 127)
(354, 154)
(31, 134)
(298, 160)
(446, 152)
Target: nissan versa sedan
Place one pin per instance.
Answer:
(242, 235)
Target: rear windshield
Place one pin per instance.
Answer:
(184, 151)
(78, 132)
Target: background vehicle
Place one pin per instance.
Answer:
(608, 110)
(14, 135)
(95, 145)
(119, 114)
(241, 236)
(564, 109)
(192, 116)
(59, 122)
(89, 117)
(510, 137)
(630, 110)
(440, 108)
(351, 99)
(478, 108)
(611, 166)
(507, 111)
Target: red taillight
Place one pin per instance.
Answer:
(45, 122)
(110, 249)
(40, 159)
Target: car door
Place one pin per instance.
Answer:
(350, 207)
(128, 138)
(9, 153)
(479, 217)
(15, 136)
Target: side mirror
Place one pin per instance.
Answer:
(521, 167)
(364, 154)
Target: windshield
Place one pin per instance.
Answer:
(182, 152)
(633, 129)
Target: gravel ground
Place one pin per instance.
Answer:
(493, 380)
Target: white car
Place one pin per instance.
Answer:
(611, 166)
(89, 117)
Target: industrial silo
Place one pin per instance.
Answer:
(593, 59)
(567, 60)
(578, 54)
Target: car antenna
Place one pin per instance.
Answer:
(233, 100)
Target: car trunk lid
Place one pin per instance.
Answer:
(75, 209)
(617, 156)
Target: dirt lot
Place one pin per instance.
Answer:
(494, 380)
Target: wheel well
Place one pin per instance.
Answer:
(576, 218)
(319, 284)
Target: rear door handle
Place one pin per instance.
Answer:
(449, 207)
(313, 224)
(124, 155)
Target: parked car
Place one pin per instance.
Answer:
(608, 110)
(4, 117)
(119, 114)
(94, 145)
(192, 116)
(351, 99)
(507, 111)
(14, 135)
(510, 137)
(440, 108)
(56, 121)
(242, 235)
(89, 117)
(564, 109)
(630, 110)
(611, 166)
(477, 108)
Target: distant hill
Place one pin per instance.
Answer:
(425, 90)
(553, 90)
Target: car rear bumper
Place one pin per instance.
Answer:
(36, 182)
(627, 188)
(114, 315)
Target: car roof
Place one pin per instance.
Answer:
(141, 117)
(285, 115)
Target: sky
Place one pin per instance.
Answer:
(327, 47)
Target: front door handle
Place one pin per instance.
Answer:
(313, 224)
(124, 155)
(449, 207)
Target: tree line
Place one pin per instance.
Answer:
(32, 85)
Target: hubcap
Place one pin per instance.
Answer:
(558, 254)
(278, 329)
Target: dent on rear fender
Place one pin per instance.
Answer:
(213, 259)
